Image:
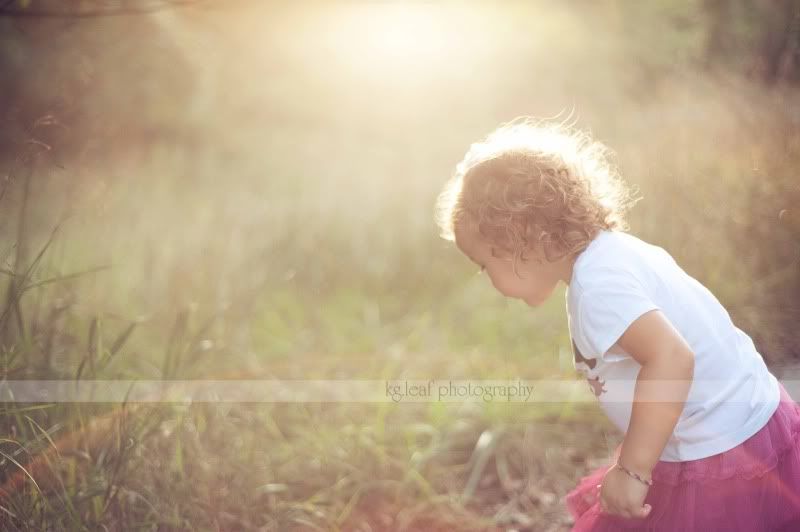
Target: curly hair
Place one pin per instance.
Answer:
(535, 186)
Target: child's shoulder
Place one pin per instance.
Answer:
(609, 250)
(614, 257)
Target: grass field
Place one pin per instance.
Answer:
(270, 216)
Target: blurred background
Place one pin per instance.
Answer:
(245, 189)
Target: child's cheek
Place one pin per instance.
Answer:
(500, 286)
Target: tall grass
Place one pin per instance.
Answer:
(282, 227)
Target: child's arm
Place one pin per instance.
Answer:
(661, 389)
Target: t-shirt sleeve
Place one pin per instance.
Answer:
(607, 309)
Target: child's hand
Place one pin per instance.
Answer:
(623, 495)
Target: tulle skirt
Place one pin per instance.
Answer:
(753, 487)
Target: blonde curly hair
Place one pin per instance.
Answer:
(534, 186)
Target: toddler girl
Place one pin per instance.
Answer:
(710, 434)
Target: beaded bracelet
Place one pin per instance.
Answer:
(634, 475)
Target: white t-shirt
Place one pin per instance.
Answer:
(619, 277)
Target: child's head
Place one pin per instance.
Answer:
(528, 200)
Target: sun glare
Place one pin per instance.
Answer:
(396, 37)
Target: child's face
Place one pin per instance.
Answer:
(535, 282)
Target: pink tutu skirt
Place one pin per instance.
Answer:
(754, 487)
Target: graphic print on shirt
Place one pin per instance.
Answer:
(597, 386)
(595, 383)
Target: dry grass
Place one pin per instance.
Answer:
(274, 219)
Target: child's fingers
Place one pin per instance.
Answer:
(608, 509)
(639, 513)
